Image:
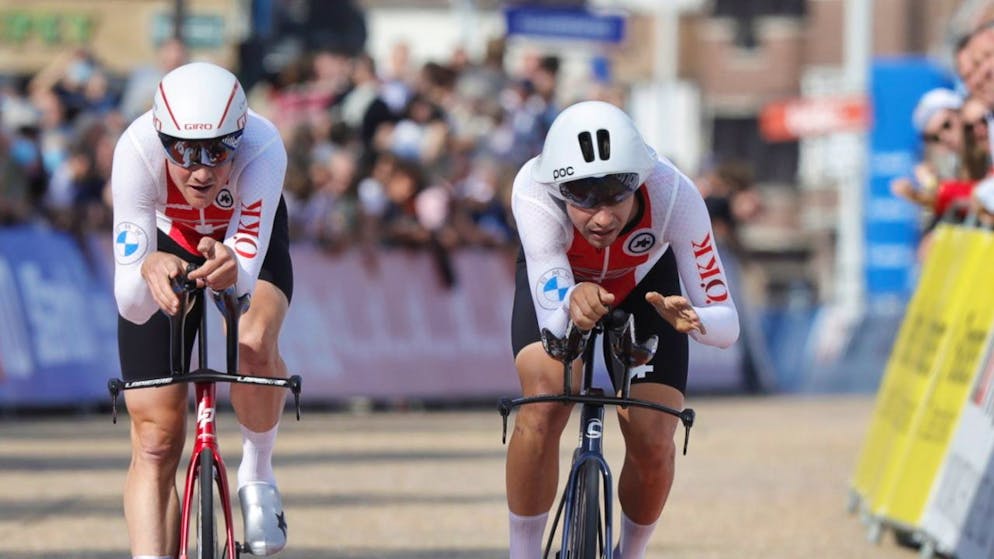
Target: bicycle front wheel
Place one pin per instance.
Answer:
(585, 521)
(206, 533)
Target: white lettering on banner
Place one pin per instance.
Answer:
(55, 307)
(890, 209)
(889, 255)
(891, 163)
(15, 344)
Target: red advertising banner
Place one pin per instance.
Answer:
(800, 118)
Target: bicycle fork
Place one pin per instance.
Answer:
(206, 441)
(590, 449)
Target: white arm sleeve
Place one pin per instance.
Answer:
(703, 276)
(259, 187)
(134, 191)
(550, 277)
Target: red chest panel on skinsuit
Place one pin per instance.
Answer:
(614, 267)
(188, 224)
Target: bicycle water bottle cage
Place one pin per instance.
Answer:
(569, 347)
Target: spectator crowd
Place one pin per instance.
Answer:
(380, 154)
(953, 181)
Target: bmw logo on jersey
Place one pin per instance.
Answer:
(130, 243)
(552, 287)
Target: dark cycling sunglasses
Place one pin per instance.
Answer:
(936, 138)
(592, 192)
(209, 153)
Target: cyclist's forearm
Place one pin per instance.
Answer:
(721, 322)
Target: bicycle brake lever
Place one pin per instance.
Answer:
(504, 407)
(687, 418)
(295, 389)
(114, 386)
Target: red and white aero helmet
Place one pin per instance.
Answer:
(198, 101)
(592, 139)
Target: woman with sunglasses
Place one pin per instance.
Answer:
(604, 222)
(199, 179)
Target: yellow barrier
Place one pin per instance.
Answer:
(911, 473)
(916, 350)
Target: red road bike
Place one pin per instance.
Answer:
(206, 478)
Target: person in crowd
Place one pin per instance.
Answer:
(136, 98)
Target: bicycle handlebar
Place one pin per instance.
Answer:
(619, 327)
(231, 308)
(686, 415)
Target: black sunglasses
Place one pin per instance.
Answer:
(209, 153)
(936, 137)
(591, 192)
(975, 123)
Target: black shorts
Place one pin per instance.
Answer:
(668, 367)
(144, 348)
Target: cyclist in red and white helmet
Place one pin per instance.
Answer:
(604, 222)
(199, 179)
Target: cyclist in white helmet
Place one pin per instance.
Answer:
(199, 179)
(604, 222)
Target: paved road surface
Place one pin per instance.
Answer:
(764, 478)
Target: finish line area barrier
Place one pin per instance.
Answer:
(387, 330)
(926, 468)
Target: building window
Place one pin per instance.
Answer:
(739, 139)
(745, 12)
(738, 8)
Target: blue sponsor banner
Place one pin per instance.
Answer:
(891, 224)
(58, 332)
(565, 23)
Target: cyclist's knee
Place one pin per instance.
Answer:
(543, 421)
(257, 350)
(652, 453)
(158, 445)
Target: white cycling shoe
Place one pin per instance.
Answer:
(262, 515)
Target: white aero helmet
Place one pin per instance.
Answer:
(199, 101)
(592, 139)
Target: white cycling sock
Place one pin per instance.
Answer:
(526, 535)
(634, 539)
(257, 456)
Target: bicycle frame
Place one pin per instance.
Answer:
(206, 427)
(205, 382)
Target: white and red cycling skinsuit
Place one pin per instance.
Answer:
(145, 199)
(673, 215)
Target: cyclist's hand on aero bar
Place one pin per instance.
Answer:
(158, 269)
(677, 311)
(220, 271)
(588, 303)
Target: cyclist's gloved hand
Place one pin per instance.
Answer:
(158, 269)
(588, 303)
(677, 311)
(220, 271)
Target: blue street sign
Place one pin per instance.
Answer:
(565, 24)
